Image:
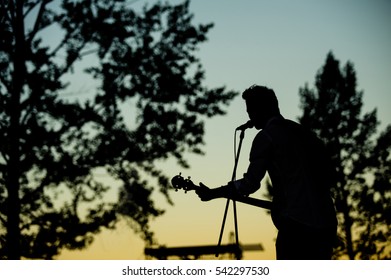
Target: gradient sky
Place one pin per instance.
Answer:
(279, 44)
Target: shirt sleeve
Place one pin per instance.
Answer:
(259, 159)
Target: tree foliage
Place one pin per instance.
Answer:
(333, 109)
(150, 104)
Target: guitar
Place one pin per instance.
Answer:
(178, 182)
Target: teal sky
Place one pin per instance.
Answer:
(280, 44)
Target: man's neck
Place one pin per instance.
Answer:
(273, 118)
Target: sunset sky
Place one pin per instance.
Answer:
(279, 44)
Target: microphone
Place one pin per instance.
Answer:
(246, 125)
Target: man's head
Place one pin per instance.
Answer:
(261, 103)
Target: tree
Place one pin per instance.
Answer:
(53, 146)
(333, 109)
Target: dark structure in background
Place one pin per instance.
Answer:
(231, 250)
(195, 252)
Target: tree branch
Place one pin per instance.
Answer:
(38, 20)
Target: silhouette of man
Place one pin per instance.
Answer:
(301, 176)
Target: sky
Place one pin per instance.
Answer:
(280, 44)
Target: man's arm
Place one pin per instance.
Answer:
(227, 191)
(259, 157)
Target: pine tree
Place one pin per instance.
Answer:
(362, 157)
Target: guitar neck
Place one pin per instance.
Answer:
(179, 182)
(254, 202)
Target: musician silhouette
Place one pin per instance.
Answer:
(301, 174)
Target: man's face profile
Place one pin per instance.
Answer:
(256, 113)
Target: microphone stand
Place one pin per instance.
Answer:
(237, 154)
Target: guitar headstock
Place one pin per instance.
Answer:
(178, 182)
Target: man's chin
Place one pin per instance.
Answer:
(258, 126)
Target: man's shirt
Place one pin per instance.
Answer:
(300, 172)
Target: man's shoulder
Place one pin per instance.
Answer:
(283, 124)
(288, 130)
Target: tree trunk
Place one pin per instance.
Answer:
(348, 231)
(13, 186)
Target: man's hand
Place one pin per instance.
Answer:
(205, 193)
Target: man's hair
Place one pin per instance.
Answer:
(261, 96)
